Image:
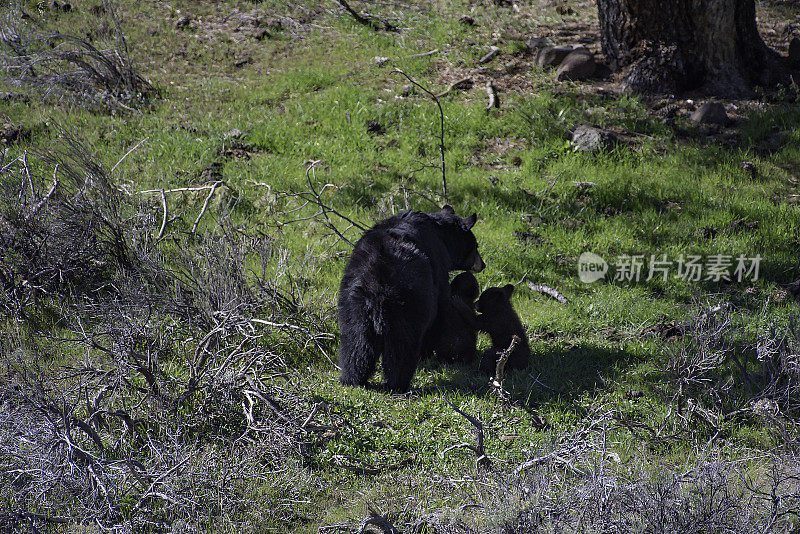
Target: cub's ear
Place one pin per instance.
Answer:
(508, 290)
(448, 210)
(470, 221)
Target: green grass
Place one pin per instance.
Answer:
(307, 95)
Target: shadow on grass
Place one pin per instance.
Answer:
(555, 375)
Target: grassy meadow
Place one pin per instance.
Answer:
(641, 395)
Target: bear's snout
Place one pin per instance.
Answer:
(478, 265)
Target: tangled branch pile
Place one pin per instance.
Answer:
(144, 381)
(96, 71)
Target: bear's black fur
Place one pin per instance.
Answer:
(501, 322)
(459, 325)
(394, 292)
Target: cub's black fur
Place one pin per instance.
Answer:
(498, 319)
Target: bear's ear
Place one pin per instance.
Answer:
(508, 290)
(470, 221)
(448, 210)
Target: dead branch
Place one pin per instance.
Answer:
(497, 381)
(494, 100)
(463, 84)
(205, 205)
(547, 290)
(165, 217)
(481, 460)
(369, 21)
(441, 128)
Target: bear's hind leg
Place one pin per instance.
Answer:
(358, 356)
(399, 364)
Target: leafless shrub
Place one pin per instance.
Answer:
(58, 235)
(57, 65)
(157, 393)
(579, 485)
(696, 364)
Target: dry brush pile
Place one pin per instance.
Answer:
(144, 380)
(94, 69)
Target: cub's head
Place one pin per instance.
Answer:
(494, 298)
(465, 286)
(460, 240)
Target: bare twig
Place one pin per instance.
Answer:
(128, 153)
(441, 128)
(497, 381)
(481, 460)
(165, 217)
(205, 205)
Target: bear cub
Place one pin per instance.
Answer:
(460, 327)
(498, 319)
(395, 293)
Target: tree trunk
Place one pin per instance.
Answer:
(669, 46)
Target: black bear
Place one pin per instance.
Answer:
(395, 290)
(459, 332)
(498, 319)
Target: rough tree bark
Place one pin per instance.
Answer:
(669, 46)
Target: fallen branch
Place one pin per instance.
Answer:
(459, 85)
(368, 21)
(481, 460)
(494, 100)
(549, 291)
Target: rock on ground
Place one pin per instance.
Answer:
(710, 113)
(591, 138)
(578, 65)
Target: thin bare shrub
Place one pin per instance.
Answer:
(56, 65)
(146, 383)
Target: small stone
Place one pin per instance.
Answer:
(183, 22)
(578, 65)
(516, 161)
(380, 61)
(589, 138)
(552, 56)
(493, 53)
(710, 113)
(236, 133)
(794, 52)
(565, 10)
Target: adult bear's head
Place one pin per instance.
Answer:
(460, 240)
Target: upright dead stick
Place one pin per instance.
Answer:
(205, 205)
(481, 460)
(441, 128)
